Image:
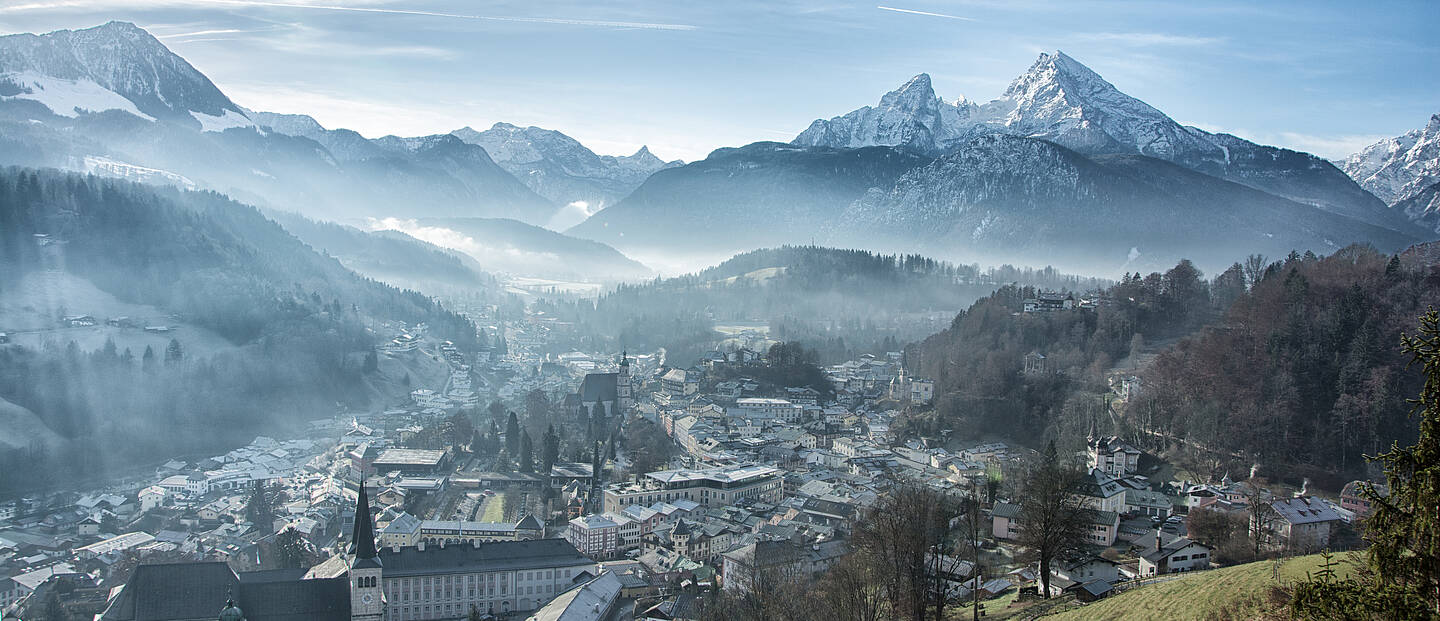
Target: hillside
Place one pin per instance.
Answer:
(836, 301)
(508, 246)
(257, 330)
(762, 194)
(1240, 592)
(389, 256)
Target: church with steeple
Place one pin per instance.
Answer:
(365, 583)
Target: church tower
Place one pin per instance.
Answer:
(623, 402)
(367, 597)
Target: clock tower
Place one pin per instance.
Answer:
(367, 596)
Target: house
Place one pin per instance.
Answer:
(1147, 502)
(1302, 524)
(1087, 568)
(1351, 500)
(1168, 554)
(1049, 301)
(1113, 456)
(1005, 521)
(1102, 492)
(679, 383)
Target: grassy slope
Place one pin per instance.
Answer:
(1238, 592)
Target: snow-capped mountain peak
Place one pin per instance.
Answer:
(114, 66)
(1398, 168)
(559, 167)
(911, 116)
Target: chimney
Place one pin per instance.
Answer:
(1157, 540)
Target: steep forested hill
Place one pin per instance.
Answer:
(1292, 365)
(286, 330)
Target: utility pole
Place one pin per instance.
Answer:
(973, 519)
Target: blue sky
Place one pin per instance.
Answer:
(687, 77)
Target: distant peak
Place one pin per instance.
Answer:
(505, 126)
(920, 81)
(644, 151)
(911, 95)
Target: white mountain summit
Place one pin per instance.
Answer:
(1058, 99)
(1398, 168)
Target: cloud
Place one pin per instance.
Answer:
(525, 20)
(1330, 147)
(202, 33)
(1149, 39)
(501, 258)
(50, 5)
(371, 118)
(925, 13)
(571, 215)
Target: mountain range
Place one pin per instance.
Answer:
(1404, 171)
(1061, 167)
(113, 100)
(561, 169)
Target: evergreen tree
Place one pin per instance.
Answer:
(550, 453)
(372, 361)
(1401, 579)
(260, 507)
(527, 459)
(147, 360)
(512, 435)
(173, 353)
(290, 550)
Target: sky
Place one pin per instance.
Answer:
(686, 77)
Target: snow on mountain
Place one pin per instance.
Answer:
(1063, 101)
(1396, 169)
(911, 116)
(1001, 197)
(1058, 99)
(561, 169)
(95, 69)
(65, 97)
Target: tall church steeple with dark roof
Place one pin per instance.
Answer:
(367, 595)
(362, 539)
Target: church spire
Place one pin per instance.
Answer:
(362, 539)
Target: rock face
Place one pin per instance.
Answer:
(561, 169)
(1063, 101)
(1400, 168)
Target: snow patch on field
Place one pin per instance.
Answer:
(69, 97)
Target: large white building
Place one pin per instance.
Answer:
(767, 409)
(714, 487)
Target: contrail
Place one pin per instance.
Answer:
(926, 13)
(493, 18)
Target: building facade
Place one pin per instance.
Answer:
(712, 488)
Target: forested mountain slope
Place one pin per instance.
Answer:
(1291, 365)
(292, 325)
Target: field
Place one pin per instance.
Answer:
(1239, 592)
(494, 509)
